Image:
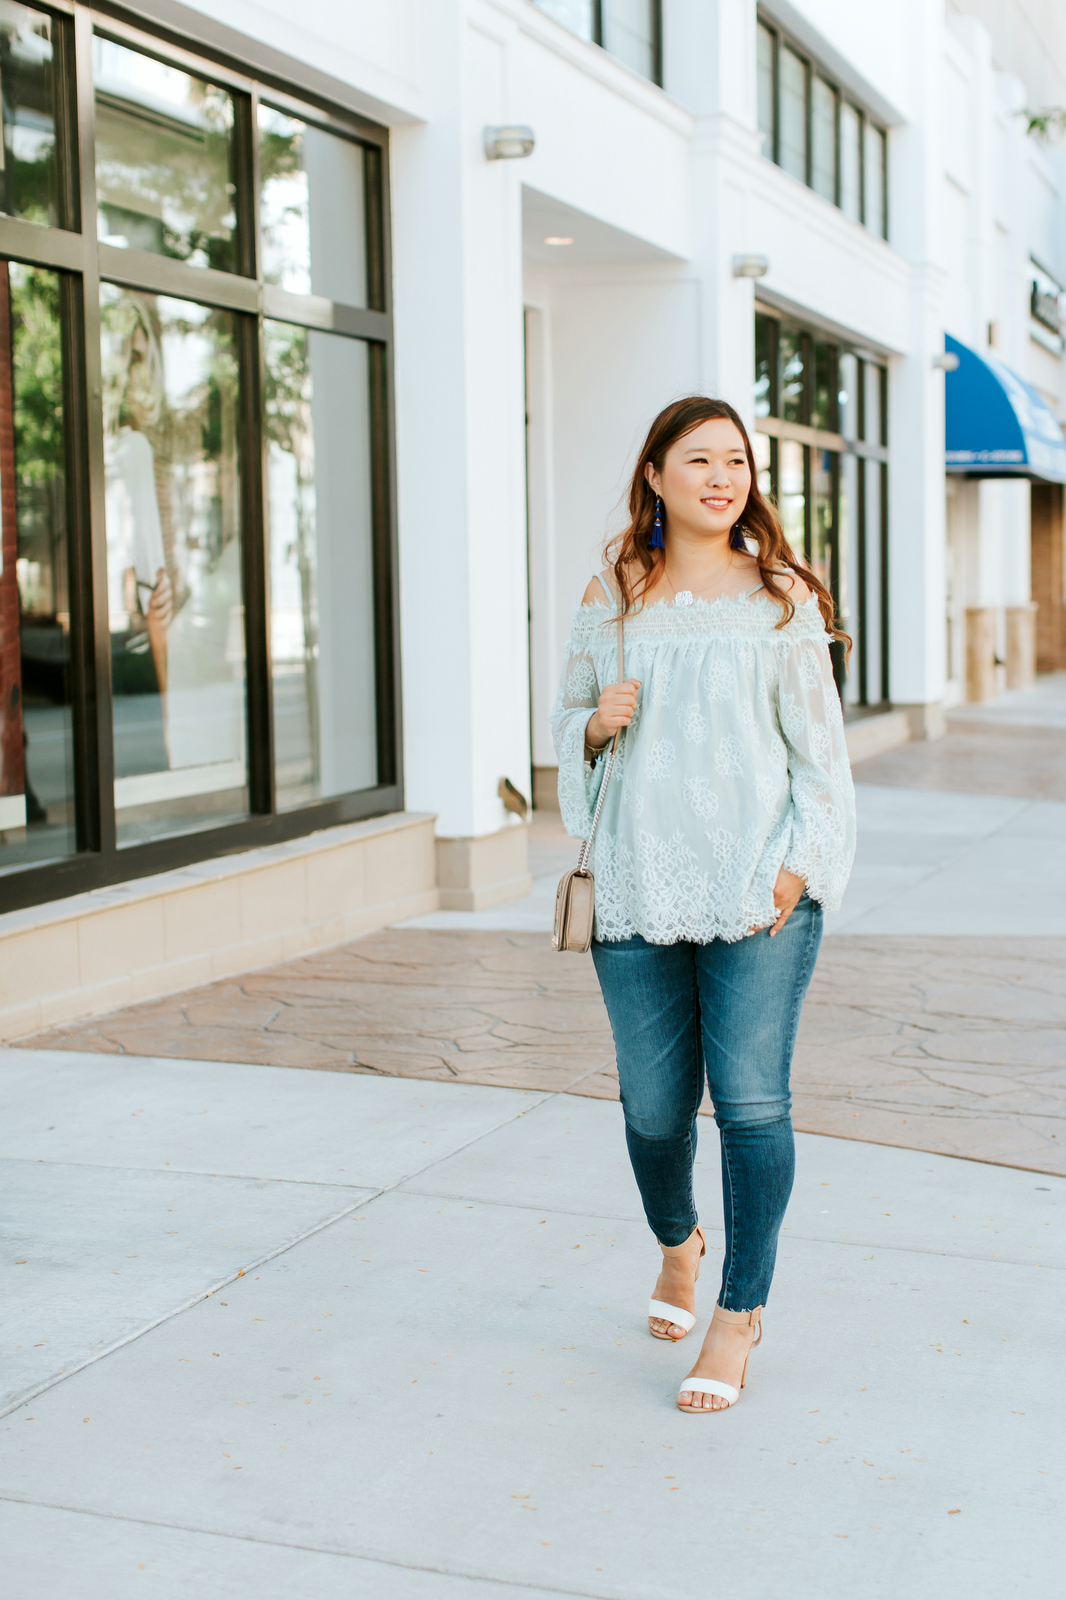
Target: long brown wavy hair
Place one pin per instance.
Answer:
(632, 552)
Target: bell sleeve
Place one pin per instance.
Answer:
(579, 693)
(822, 842)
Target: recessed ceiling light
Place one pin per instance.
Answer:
(555, 238)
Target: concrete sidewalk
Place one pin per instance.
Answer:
(208, 1384)
(930, 861)
(230, 1394)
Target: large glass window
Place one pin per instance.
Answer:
(790, 491)
(28, 178)
(173, 563)
(627, 29)
(824, 139)
(792, 384)
(630, 29)
(873, 210)
(811, 130)
(765, 367)
(851, 162)
(312, 209)
(821, 450)
(164, 159)
(321, 563)
(824, 391)
(194, 428)
(767, 88)
(37, 813)
(823, 554)
(792, 139)
(577, 15)
(848, 394)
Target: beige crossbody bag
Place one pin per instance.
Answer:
(575, 900)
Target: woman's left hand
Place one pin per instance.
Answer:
(788, 891)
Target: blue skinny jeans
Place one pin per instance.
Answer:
(680, 1012)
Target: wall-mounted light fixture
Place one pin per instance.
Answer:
(509, 143)
(946, 361)
(750, 266)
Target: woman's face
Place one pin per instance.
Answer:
(143, 399)
(706, 480)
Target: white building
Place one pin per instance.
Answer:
(392, 378)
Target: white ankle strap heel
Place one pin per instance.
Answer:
(725, 1391)
(662, 1310)
(684, 1319)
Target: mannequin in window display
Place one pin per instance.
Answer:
(140, 594)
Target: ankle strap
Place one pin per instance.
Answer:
(752, 1319)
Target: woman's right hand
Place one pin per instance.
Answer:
(161, 605)
(616, 708)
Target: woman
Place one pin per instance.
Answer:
(140, 596)
(727, 828)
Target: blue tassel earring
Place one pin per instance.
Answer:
(656, 541)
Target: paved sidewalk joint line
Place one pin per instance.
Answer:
(366, 1199)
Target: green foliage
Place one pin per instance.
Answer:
(280, 154)
(37, 358)
(27, 179)
(1042, 124)
(169, 187)
(287, 386)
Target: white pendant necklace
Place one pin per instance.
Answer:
(685, 597)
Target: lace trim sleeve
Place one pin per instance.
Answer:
(822, 844)
(579, 692)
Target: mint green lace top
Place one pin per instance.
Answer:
(734, 766)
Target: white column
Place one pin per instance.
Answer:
(709, 66)
(916, 505)
(460, 453)
(917, 636)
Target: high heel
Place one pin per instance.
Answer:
(712, 1385)
(662, 1311)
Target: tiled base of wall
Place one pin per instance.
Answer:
(136, 941)
(870, 736)
(477, 874)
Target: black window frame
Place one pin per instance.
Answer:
(780, 37)
(82, 263)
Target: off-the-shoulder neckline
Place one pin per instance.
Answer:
(760, 596)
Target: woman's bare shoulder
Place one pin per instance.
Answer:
(793, 585)
(601, 589)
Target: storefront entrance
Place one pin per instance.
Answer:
(197, 630)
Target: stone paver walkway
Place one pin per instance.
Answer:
(952, 1044)
(904, 1041)
(493, 1008)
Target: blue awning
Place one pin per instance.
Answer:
(996, 424)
